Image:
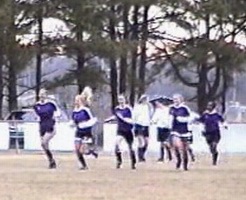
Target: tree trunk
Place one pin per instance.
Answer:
(224, 92)
(1, 80)
(202, 97)
(143, 56)
(134, 56)
(80, 59)
(123, 73)
(12, 63)
(201, 90)
(113, 66)
(113, 82)
(39, 53)
(123, 59)
(12, 90)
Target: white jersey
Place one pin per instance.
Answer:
(141, 114)
(162, 118)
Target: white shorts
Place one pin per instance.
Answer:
(84, 140)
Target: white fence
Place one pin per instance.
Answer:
(62, 141)
(233, 139)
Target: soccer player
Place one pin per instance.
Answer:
(47, 112)
(212, 120)
(123, 115)
(141, 119)
(87, 94)
(162, 119)
(180, 132)
(84, 121)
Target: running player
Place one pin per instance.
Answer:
(84, 122)
(123, 115)
(47, 111)
(162, 119)
(141, 119)
(212, 120)
(180, 132)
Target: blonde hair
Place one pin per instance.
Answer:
(86, 96)
(179, 96)
(42, 91)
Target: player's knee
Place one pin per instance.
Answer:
(117, 149)
(44, 144)
(213, 149)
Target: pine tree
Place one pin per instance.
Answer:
(204, 60)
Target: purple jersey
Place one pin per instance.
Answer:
(45, 111)
(211, 121)
(125, 112)
(82, 115)
(179, 111)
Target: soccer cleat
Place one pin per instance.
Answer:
(52, 164)
(186, 169)
(118, 165)
(95, 154)
(142, 160)
(160, 160)
(92, 152)
(83, 168)
(134, 167)
(178, 164)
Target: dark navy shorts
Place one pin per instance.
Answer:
(82, 134)
(127, 135)
(188, 139)
(163, 134)
(83, 137)
(213, 136)
(46, 126)
(141, 130)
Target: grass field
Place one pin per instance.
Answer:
(26, 177)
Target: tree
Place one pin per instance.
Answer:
(84, 20)
(15, 57)
(205, 60)
(1, 57)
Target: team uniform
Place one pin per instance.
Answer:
(180, 129)
(46, 112)
(141, 119)
(180, 124)
(124, 129)
(141, 130)
(162, 119)
(84, 121)
(211, 122)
